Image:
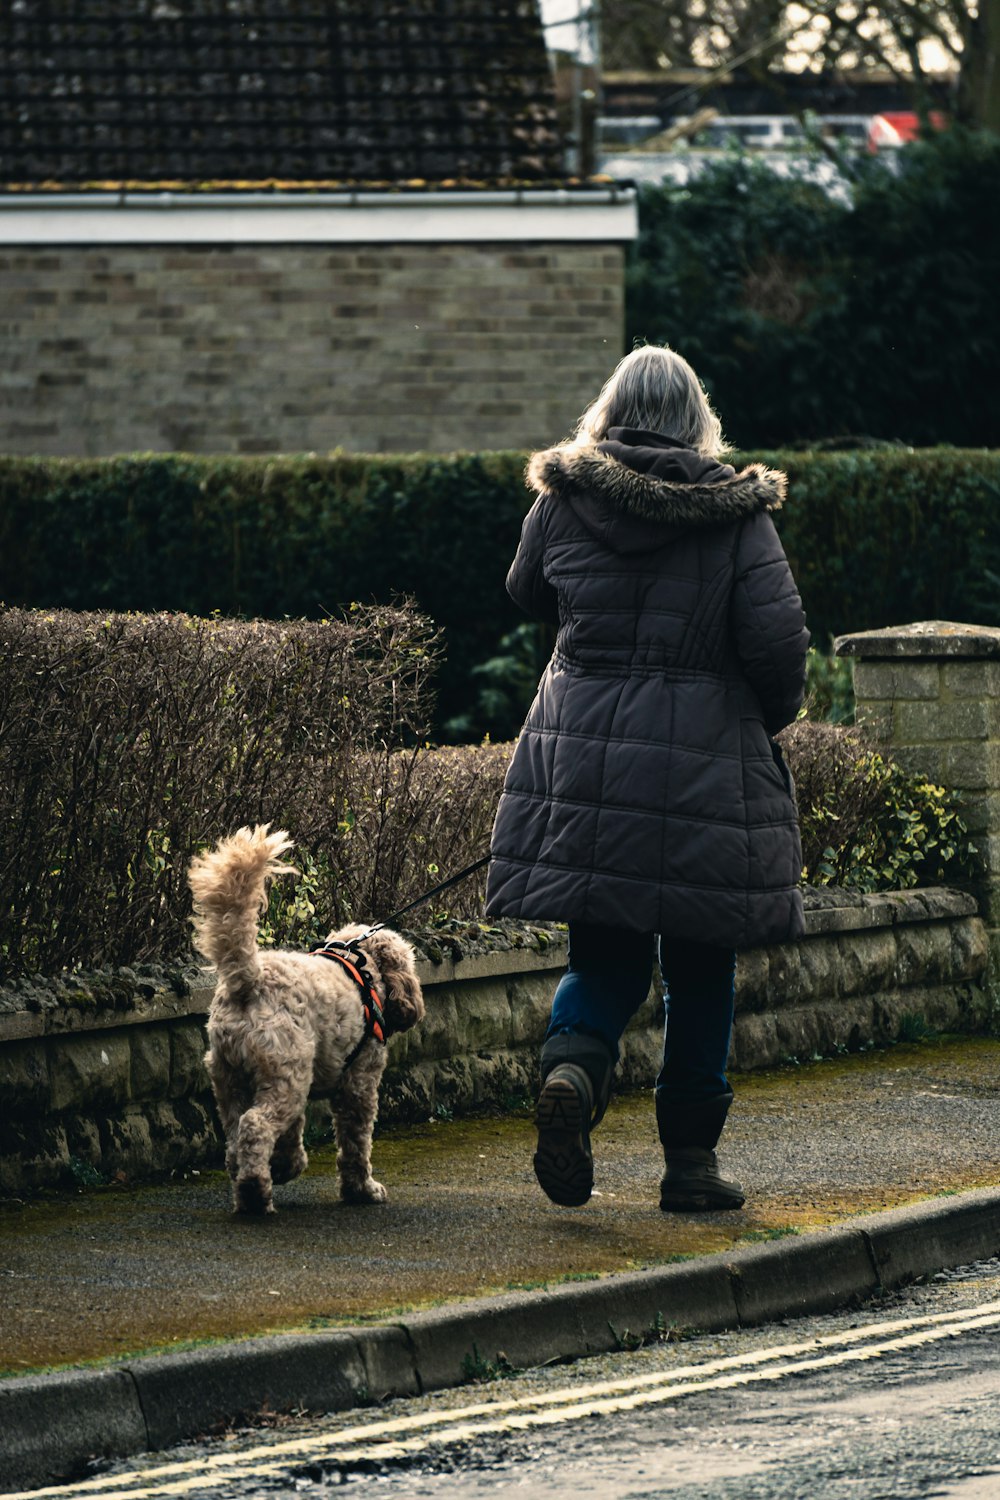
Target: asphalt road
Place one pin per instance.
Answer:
(897, 1401)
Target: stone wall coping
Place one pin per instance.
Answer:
(829, 914)
(925, 638)
(489, 965)
(891, 909)
(66, 1019)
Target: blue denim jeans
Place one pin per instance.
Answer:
(610, 971)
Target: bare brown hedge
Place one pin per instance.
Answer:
(415, 818)
(129, 741)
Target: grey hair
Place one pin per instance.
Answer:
(656, 390)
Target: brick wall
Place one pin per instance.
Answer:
(291, 348)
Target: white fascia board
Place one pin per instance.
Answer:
(216, 219)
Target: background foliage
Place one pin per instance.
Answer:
(812, 316)
(758, 38)
(829, 688)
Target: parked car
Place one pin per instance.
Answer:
(756, 132)
(785, 132)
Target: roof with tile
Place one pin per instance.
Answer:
(102, 94)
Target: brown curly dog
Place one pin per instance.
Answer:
(284, 1025)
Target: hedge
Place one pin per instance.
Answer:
(128, 742)
(877, 536)
(274, 538)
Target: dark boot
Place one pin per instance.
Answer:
(576, 1084)
(689, 1134)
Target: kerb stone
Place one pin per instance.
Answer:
(50, 1423)
(794, 1277)
(906, 1244)
(616, 1311)
(194, 1391)
(523, 1329)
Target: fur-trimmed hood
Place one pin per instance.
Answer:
(611, 496)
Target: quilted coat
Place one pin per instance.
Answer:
(646, 790)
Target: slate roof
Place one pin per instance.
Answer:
(279, 93)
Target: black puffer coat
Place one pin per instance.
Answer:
(645, 790)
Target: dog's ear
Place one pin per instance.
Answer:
(404, 1000)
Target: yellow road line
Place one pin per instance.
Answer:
(521, 1413)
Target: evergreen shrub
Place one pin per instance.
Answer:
(867, 823)
(875, 537)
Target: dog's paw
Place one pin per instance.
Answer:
(253, 1196)
(363, 1192)
(286, 1168)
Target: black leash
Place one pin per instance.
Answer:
(444, 886)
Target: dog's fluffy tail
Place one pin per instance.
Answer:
(229, 885)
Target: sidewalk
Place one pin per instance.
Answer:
(122, 1274)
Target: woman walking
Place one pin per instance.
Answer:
(646, 799)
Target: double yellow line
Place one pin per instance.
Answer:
(404, 1437)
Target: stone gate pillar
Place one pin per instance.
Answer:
(931, 691)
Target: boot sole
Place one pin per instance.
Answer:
(563, 1164)
(695, 1201)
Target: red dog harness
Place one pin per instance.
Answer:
(352, 958)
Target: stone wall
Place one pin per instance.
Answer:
(244, 348)
(102, 1081)
(931, 692)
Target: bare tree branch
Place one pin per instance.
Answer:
(768, 36)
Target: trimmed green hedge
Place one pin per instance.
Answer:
(875, 537)
(886, 536)
(269, 538)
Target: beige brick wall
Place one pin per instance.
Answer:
(275, 348)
